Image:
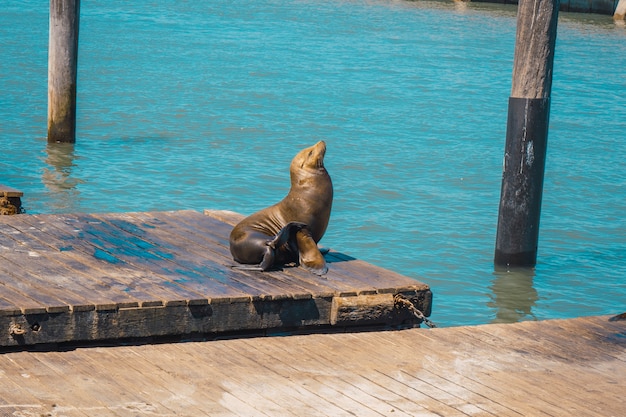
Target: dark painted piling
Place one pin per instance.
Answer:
(527, 134)
(62, 70)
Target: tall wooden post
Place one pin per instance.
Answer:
(620, 10)
(527, 134)
(62, 69)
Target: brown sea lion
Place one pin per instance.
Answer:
(289, 230)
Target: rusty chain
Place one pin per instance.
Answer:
(402, 301)
(16, 330)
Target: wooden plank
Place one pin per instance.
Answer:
(129, 370)
(201, 270)
(81, 273)
(356, 274)
(218, 233)
(199, 255)
(213, 236)
(99, 276)
(26, 304)
(119, 388)
(118, 283)
(144, 281)
(270, 388)
(324, 382)
(255, 393)
(445, 371)
(56, 380)
(184, 373)
(37, 270)
(288, 278)
(434, 380)
(464, 383)
(602, 333)
(10, 191)
(17, 289)
(553, 332)
(590, 350)
(159, 258)
(10, 201)
(339, 284)
(26, 388)
(50, 293)
(8, 308)
(226, 216)
(347, 280)
(448, 353)
(546, 404)
(301, 283)
(373, 275)
(232, 218)
(559, 399)
(380, 357)
(205, 374)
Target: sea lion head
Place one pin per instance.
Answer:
(311, 195)
(310, 159)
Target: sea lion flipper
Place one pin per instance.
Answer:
(285, 234)
(247, 268)
(266, 262)
(310, 256)
(268, 258)
(317, 271)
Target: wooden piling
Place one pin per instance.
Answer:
(620, 10)
(527, 133)
(10, 200)
(62, 70)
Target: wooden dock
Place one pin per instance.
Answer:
(549, 368)
(87, 277)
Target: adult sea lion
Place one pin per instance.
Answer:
(289, 230)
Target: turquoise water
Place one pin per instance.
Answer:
(203, 104)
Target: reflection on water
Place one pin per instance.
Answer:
(513, 295)
(57, 177)
(460, 6)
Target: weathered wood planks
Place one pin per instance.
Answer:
(81, 277)
(571, 367)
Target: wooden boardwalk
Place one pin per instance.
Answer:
(550, 368)
(85, 277)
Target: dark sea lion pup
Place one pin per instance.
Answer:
(289, 230)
